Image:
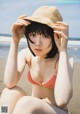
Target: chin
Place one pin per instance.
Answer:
(40, 55)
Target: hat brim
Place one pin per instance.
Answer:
(42, 20)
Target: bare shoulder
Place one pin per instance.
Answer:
(26, 54)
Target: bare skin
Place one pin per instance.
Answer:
(43, 100)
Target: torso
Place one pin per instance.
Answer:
(41, 72)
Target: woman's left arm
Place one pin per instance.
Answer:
(63, 86)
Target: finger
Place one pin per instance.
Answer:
(18, 26)
(55, 27)
(22, 16)
(61, 23)
(60, 33)
(24, 21)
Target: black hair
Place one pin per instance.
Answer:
(39, 28)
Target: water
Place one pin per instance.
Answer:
(74, 51)
(4, 49)
(73, 47)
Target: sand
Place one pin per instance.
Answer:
(74, 104)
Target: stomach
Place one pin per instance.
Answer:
(46, 94)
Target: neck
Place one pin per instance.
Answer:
(44, 59)
(41, 58)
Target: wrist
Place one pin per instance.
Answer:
(63, 52)
(14, 44)
(15, 40)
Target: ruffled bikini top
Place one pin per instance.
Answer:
(49, 84)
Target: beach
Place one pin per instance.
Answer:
(74, 104)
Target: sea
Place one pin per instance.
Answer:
(73, 47)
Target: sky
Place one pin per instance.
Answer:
(10, 10)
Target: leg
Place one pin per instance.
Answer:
(32, 105)
(9, 97)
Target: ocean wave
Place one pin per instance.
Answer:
(73, 47)
(7, 40)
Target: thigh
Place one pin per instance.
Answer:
(10, 97)
(32, 105)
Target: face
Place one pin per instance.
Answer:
(41, 44)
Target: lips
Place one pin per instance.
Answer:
(38, 49)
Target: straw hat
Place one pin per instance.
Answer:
(46, 15)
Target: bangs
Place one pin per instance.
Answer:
(38, 28)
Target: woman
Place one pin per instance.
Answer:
(50, 67)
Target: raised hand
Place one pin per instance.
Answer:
(61, 35)
(18, 28)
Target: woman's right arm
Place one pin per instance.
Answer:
(15, 62)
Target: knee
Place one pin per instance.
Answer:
(10, 97)
(27, 104)
(12, 93)
(13, 90)
(25, 101)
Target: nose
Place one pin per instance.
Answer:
(38, 41)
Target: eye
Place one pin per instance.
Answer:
(32, 34)
(32, 37)
(45, 36)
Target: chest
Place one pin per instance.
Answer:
(42, 71)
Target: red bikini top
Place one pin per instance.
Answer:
(49, 84)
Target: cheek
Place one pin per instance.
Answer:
(48, 44)
(48, 47)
